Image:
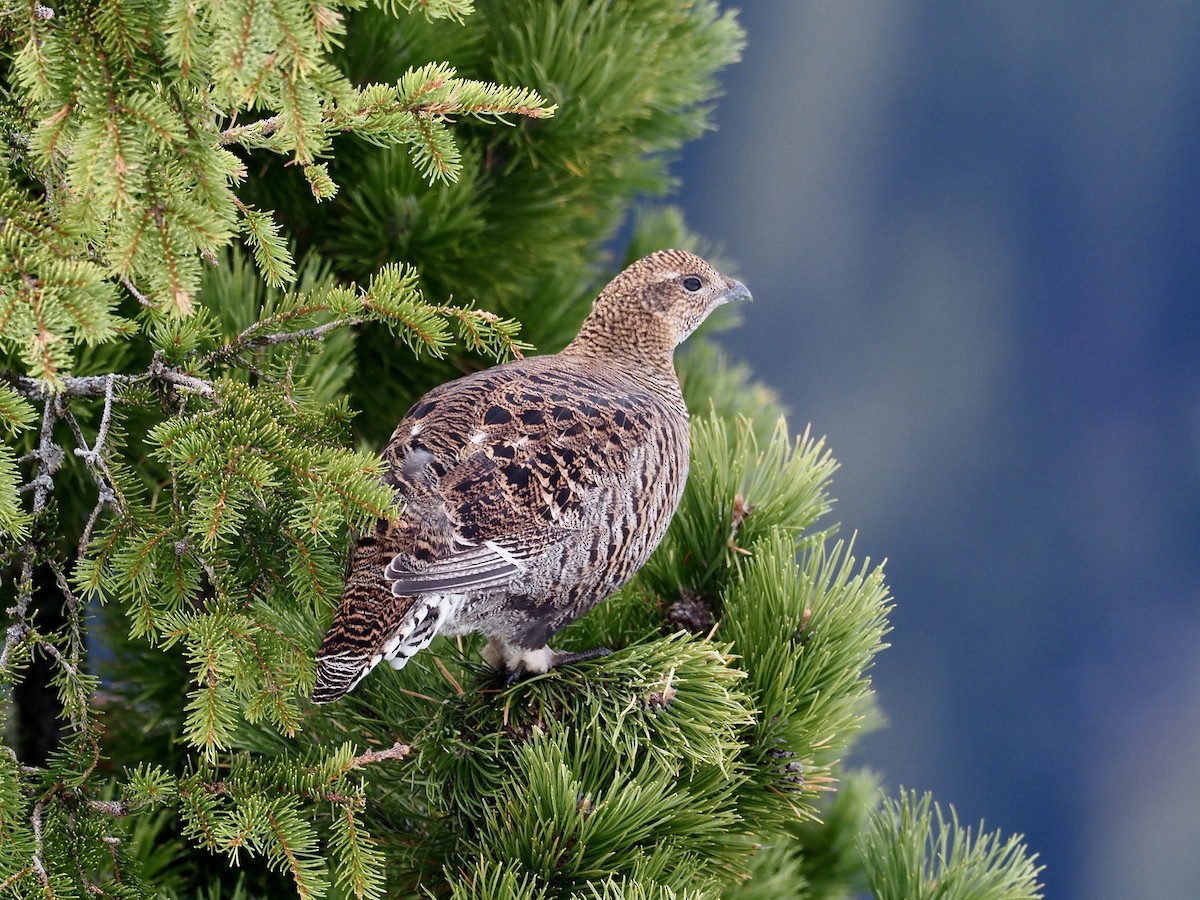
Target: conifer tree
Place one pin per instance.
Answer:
(237, 240)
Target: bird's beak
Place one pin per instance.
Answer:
(737, 293)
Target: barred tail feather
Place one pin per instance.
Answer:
(368, 618)
(338, 674)
(364, 634)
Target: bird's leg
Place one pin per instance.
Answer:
(559, 658)
(516, 663)
(493, 654)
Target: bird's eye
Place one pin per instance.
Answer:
(692, 283)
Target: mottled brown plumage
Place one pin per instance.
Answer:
(531, 491)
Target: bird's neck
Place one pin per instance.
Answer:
(636, 343)
(642, 360)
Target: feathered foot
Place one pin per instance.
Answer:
(515, 663)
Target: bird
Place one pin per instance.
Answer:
(529, 492)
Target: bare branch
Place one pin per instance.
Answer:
(82, 386)
(20, 627)
(170, 374)
(253, 337)
(16, 633)
(116, 808)
(56, 654)
(80, 717)
(36, 820)
(50, 457)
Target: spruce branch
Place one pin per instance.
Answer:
(35, 819)
(252, 133)
(270, 252)
(138, 295)
(260, 333)
(139, 187)
(266, 807)
(16, 414)
(455, 10)
(106, 491)
(393, 299)
(49, 457)
(486, 332)
(88, 386)
(78, 685)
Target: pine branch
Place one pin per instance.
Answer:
(913, 850)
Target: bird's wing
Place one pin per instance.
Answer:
(499, 518)
(489, 565)
(501, 465)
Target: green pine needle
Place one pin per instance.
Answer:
(14, 520)
(736, 493)
(913, 851)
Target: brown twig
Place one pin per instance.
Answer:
(141, 298)
(741, 509)
(396, 751)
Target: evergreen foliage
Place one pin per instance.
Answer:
(913, 851)
(200, 347)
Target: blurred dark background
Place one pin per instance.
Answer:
(973, 236)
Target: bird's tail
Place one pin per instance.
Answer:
(351, 646)
(338, 674)
(368, 629)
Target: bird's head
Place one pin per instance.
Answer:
(659, 300)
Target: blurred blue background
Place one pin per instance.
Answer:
(972, 231)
